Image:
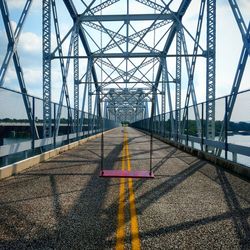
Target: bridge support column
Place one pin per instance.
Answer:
(46, 68)
(178, 84)
(76, 80)
(210, 89)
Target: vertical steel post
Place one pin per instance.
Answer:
(163, 96)
(102, 145)
(178, 83)
(88, 81)
(46, 68)
(165, 80)
(210, 86)
(163, 124)
(187, 130)
(202, 126)
(33, 124)
(54, 131)
(151, 128)
(76, 80)
(226, 127)
(68, 128)
(89, 118)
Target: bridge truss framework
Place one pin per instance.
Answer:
(127, 64)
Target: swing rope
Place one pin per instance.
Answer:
(102, 123)
(152, 111)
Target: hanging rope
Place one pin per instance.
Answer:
(152, 110)
(101, 117)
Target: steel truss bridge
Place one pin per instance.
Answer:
(132, 59)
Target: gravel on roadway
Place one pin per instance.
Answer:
(64, 204)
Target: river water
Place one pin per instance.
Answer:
(243, 140)
(7, 141)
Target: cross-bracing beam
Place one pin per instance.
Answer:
(245, 53)
(12, 37)
(191, 70)
(64, 70)
(12, 52)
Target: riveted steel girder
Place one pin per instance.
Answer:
(210, 90)
(46, 68)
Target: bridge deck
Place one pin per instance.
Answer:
(63, 203)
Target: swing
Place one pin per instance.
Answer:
(119, 173)
(116, 173)
(126, 174)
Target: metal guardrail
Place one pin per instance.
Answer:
(225, 131)
(19, 150)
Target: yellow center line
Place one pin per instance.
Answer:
(133, 217)
(120, 233)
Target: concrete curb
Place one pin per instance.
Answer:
(19, 166)
(239, 169)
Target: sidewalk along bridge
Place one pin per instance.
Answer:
(63, 203)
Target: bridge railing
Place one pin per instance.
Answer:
(17, 141)
(231, 140)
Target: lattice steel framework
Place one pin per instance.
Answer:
(210, 92)
(13, 38)
(46, 68)
(178, 82)
(124, 60)
(76, 77)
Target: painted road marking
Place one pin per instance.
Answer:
(134, 228)
(120, 233)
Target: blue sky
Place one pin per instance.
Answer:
(229, 44)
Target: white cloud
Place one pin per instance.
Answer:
(19, 4)
(10, 76)
(13, 25)
(33, 75)
(16, 4)
(30, 42)
(245, 9)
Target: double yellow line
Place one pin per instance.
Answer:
(120, 233)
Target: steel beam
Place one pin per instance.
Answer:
(152, 5)
(165, 80)
(76, 78)
(12, 38)
(180, 13)
(64, 70)
(74, 15)
(210, 86)
(236, 85)
(99, 7)
(190, 69)
(46, 68)
(125, 18)
(12, 51)
(88, 81)
(178, 82)
(123, 39)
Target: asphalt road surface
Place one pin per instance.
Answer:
(64, 204)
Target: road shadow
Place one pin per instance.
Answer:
(86, 225)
